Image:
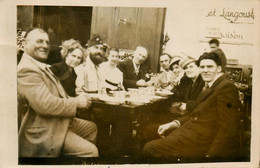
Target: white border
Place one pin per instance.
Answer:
(8, 118)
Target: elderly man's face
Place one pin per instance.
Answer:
(96, 54)
(37, 45)
(165, 62)
(140, 55)
(209, 70)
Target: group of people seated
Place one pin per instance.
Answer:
(202, 121)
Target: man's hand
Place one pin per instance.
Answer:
(169, 87)
(150, 83)
(183, 106)
(176, 104)
(167, 127)
(141, 83)
(83, 101)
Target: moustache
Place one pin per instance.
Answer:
(98, 54)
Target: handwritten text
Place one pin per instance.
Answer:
(232, 15)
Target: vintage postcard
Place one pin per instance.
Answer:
(130, 83)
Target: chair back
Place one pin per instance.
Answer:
(22, 108)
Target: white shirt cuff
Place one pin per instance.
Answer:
(178, 122)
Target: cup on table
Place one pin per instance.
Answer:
(119, 94)
(102, 91)
(133, 92)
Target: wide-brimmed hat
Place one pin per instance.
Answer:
(185, 61)
(175, 60)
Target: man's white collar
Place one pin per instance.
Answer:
(40, 64)
(216, 77)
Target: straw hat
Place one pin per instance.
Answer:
(185, 61)
(175, 59)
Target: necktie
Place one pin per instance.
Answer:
(137, 69)
(98, 76)
(206, 86)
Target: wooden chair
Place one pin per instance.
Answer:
(22, 107)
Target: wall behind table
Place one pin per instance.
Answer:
(127, 27)
(235, 23)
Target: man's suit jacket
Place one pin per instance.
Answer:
(44, 126)
(66, 76)
(129, 76)
(214, 124)
(186, 92)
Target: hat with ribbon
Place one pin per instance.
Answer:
(175, 60)
(185, 61)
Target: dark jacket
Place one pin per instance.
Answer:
(223, 58)
(187, 91)
(212, 128)
(66, 76)
(194, 90)
(129, 76)
(214, 124)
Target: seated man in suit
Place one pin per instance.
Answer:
(49, 127)
(134, 70)
(166, 76)
(211, 129)
(189, 88)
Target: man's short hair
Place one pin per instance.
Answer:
(141, 47)
(197, 62)
(166, 54)
(34, 28)
(214, 41)
(212, 56)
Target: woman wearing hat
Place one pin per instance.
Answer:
(176, 69)
(72, 54)
(183, 99)
(190, 86)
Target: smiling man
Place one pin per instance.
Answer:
(134, 70)
(165, 60)
(49, 128)
(166, 76)
(211, 129)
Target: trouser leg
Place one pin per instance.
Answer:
(86, 129)
(175, 145)
(150, 132)
(80, 139)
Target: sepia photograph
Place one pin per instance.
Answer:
(160, 84)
